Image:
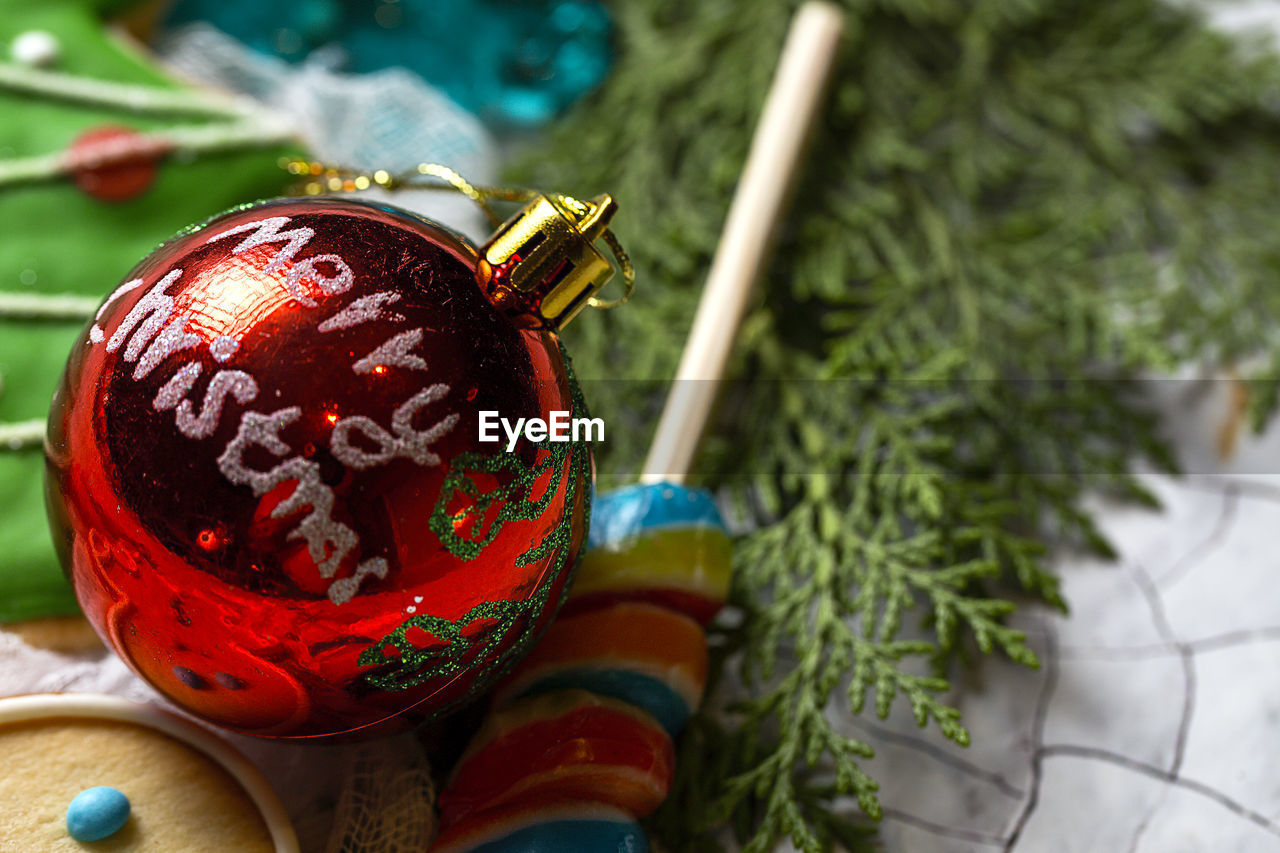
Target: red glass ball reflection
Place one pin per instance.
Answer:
(266, 481)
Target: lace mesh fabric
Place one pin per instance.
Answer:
(389, 119)
(387, 804)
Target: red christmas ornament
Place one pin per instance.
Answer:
(264, 471)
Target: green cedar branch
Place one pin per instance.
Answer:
(1015, 209)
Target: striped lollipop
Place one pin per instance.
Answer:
(579, 742)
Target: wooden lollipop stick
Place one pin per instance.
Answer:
(746, 242)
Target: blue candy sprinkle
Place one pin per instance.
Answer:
(97, 813)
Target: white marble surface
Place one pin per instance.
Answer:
(1153, 724)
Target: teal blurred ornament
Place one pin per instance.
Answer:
(512, 62)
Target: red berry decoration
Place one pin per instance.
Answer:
(114, 163)
(265, 475)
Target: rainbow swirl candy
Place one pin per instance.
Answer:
(539, 827)
(566, 745)
(579, 744)
(661, 543)
(647, 656)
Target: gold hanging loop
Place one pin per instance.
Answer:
(321, 178)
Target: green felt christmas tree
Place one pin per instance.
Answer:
(1014, 208)
(62, 249)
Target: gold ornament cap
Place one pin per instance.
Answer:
(541, 265)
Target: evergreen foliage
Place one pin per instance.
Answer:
(1013, 209)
